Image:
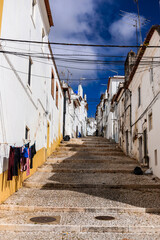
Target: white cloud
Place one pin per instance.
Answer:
(71, 24)
(123, 30)
(69, 18)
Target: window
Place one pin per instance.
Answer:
(56, 95)
(52, 84)
(139, 96)
(155, 157)
(27, 133)
(150, 121)
(29, 71)
(151, 74)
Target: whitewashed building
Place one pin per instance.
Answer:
(122, 107)
(75, 112)
(144, 83)
(91, 126)
(133, 104)
(111, 118)
(31, 97)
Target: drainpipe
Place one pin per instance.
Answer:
(64, 113)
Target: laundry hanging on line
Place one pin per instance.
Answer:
(20, 158)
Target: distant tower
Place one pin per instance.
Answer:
(106, 94)
(80, 91)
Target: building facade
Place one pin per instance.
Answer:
(75, 112)
(31, 96)
(91, 127)
(145, 87)
(111, 125)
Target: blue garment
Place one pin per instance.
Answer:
(25, 152)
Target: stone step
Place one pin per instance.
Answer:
(80, 222)
(63, 170)
(80, 229)
(92, 160)
(104, 210)
(87, 168)
(103, 180)
(91, 153)
(86, 198)
(64, 186)
(87, 145)
(68, 235)
(89, 149)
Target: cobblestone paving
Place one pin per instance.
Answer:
(83, 179)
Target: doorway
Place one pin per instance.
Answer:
(127, 143)
(146, 159)
(140, 150)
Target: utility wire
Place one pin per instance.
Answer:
(79, 55)
(77, 44)
(46, 77)
(73, 60)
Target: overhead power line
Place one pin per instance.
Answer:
(76, 60)
(77, 44)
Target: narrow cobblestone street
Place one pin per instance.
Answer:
(83, 179)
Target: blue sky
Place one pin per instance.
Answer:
(96, 22)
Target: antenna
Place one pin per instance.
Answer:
(139, 20)
(134, 18)
(69, 73)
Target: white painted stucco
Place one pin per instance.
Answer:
(23, 105)
(76, 112)
(150, 102)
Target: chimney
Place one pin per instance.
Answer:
(129, 64)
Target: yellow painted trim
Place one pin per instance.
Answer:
(7, 188)
(1, 12)
(48, 139)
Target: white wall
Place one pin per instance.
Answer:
(23, 105)
(111, 124)
(150, 102)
